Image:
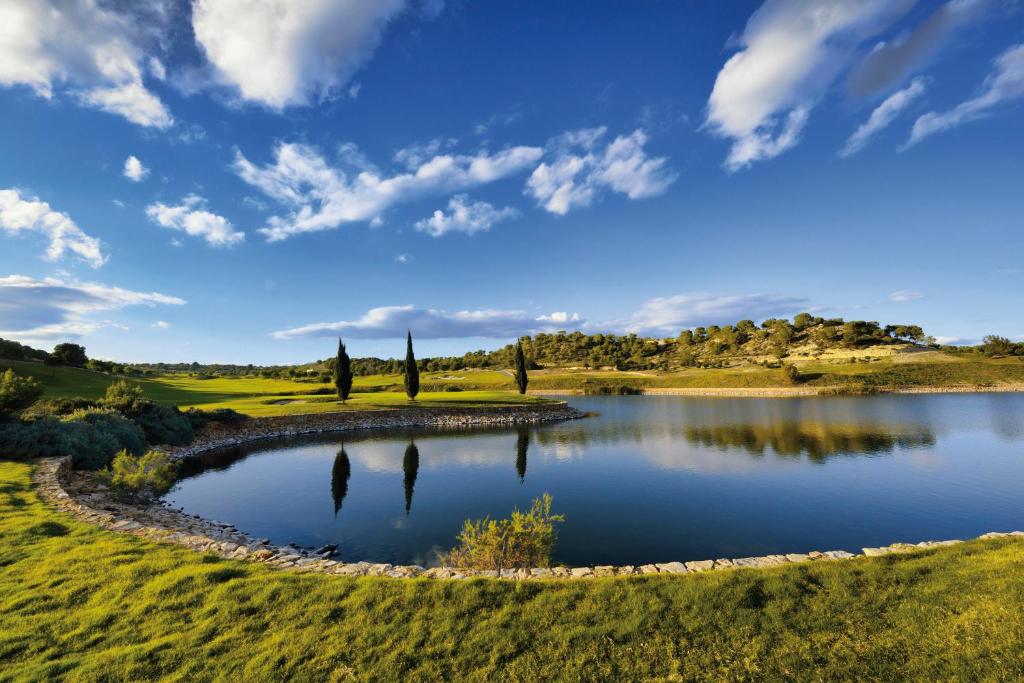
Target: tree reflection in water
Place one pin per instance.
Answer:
(522, 445)
(340, 473)
(410, 468)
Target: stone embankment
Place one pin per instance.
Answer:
(224, 436)
(82, 496)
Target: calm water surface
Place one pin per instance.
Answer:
(651, 479)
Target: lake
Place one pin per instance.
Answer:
(649, 479)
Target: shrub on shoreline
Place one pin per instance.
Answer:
(524, 540)
(141, 479)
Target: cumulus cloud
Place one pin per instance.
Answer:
(322, 196)
(1004, 84)
(134, 170)
(20, 213)
(162, 325)
(581, 169)
(791, 51)
(48, 308)
(192, 218)
(391, 322)
(464, 216)
(883, 115)
(668, 315)
(280, 53)
(86, 48)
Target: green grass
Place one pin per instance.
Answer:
(83, 604)
(259, 396)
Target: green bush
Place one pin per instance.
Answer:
(161, 424)
(58, 407)
(791, 374)
(225, 416)
(141, 479)
(17, 393)
(524, 540)
(90, 437)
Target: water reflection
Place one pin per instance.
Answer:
(735, 477)
(816, 441)
(410, 468)
(522, 445)
(340, 472)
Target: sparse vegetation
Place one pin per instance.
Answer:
(17, 393)
(141, 479)
(525, 539)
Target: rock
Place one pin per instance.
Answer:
(541, 573)
(625, 570)
(797, 557)
(837, 554)
(580, 572)
(724, 563)
(700, 565)
(604, 570)
(671, 567)
(327, 550)
(648, 569)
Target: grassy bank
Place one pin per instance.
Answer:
(87, 604)
(261, 396)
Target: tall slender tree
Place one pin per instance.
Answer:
(343, 373)
(412, 373)
(521, 378)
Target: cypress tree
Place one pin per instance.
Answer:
(340, 474)
(412, 373)
(343, 373)
(521, 379)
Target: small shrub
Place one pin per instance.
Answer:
(17, 392)
(122, 396)
(141, 479)
(452, 387)
(162, 424)
(58, 407)
(524, 540)
(791, 374)
(225, 416)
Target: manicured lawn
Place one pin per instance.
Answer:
(85, 604)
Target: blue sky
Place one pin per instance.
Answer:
(243, 181)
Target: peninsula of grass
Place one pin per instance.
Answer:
(80, 603)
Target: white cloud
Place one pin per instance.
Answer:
(162, 325)
(134, 170)
(1004, 84)
(464, 216)
(390, 322)
(668, 315)
(48, 308)
(191, 218)
(280, 53)
(882, 116)
(792, 50)
(80, 45)
(403, 258)
(26, 213)
(580, 170)
(322, 197)
(904, 296)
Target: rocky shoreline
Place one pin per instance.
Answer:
(82, 496)
(791, 392)
(225, 436)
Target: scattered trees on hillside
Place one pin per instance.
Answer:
(70, 354)
(994, 345)
(412, 373)
(343, 373)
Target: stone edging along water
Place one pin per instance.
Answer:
(82, 496)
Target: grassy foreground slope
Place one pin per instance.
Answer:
(80, 603)
(260, 396)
